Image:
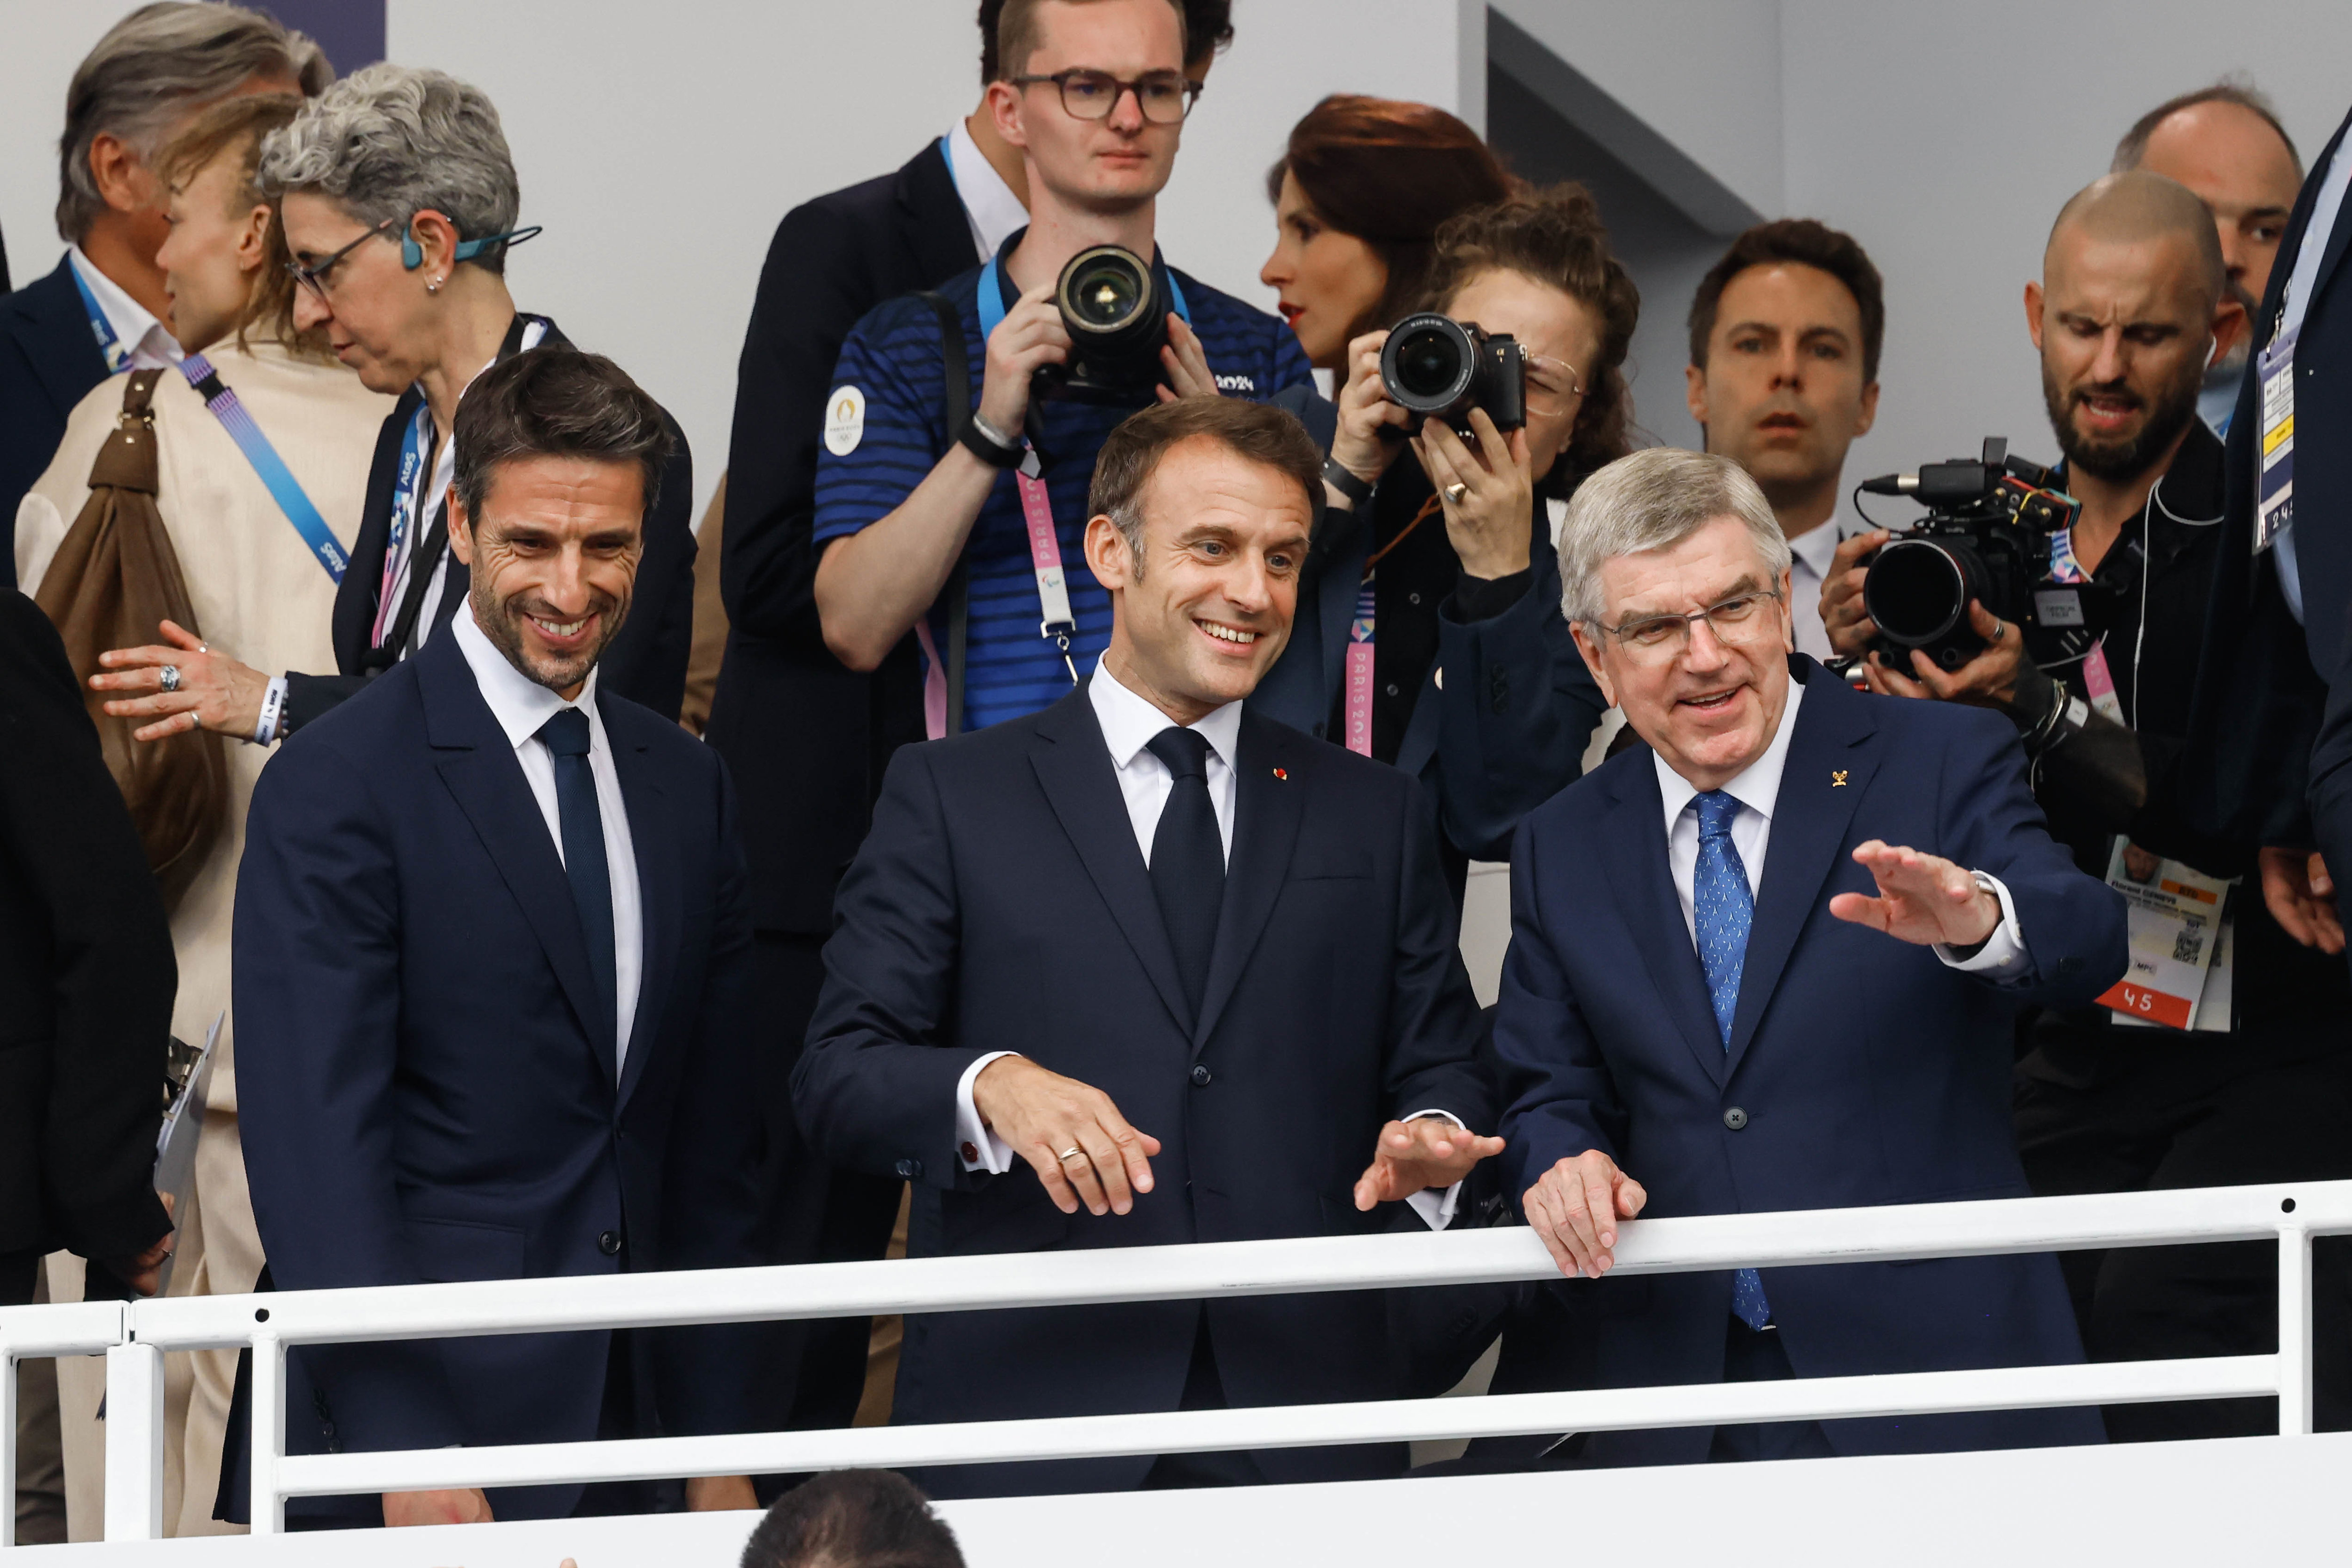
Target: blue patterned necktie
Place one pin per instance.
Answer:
(1723, 908)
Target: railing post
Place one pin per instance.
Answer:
(2294, 1331)
(134, 1443)
(7, 1446)
(267, 1506)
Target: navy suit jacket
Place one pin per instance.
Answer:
(426, 1082)
(1001, 903)
(1869, 1071)
(1507, 709)
(49, 363)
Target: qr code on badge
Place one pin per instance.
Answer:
(2188, 947)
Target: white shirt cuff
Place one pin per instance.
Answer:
(977, 1146)
(1435, 1208)
(2003, 956)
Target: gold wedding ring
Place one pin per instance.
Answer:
(1071, 1152)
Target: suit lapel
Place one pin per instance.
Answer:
(1266, 813)
(653, 838)
(1074, 768)
(479, 766)
(1633, 857)
(48, 320)
(1828, 772)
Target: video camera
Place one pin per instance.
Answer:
(1440, 368)
(1986, 536)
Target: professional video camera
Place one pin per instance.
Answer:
(1986, 536)
(1115, 309)
(1440, 369)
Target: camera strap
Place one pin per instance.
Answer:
(1057, 623)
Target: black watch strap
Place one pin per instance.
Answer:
(1346, 483)
(990, 451)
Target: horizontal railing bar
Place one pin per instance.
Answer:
(1786, 1239)
(1285, 1426)
(65, 1328)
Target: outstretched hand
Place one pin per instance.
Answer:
(1922, 899)
(1412, 1156)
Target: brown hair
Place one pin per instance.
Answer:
(1806, 243)
(1257, 432)
(1554, 237)
(2133, 149)
(1389, 173)
(1208, 28)
(874, 1519)
(238, 125)
(1016, 35)
(558, 403)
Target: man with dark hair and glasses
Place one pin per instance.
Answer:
(1700, 985)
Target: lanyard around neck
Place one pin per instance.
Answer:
(110, 344)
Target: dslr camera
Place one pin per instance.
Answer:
(1988, 536)
(1442, 369)
(1115, 307)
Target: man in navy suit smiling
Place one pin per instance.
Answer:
(1702, 1013)
(492, 942)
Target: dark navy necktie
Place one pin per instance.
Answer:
(1188, 858)
(1723, 908)
(584, 864)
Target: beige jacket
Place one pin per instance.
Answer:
(256, 589)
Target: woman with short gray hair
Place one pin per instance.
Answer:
(398, 199)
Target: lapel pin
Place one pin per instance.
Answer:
(1281, 775)
(1837, 779)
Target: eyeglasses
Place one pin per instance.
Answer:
(1545, 394)
(314, 276)
(1165, 97)
(1653, 639)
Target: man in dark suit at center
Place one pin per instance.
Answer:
(491, 944)
(1701, 1012)
(1193, 969)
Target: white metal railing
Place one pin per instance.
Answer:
(133, 1336)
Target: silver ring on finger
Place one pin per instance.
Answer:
(1456, 491)
(1070, 1154)
(171, 677)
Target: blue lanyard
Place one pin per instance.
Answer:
(235, 418)
(992, 300)
(109, 347)
(416, 447)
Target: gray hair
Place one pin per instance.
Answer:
(390, 141)
(2132, 151)
(1654, 500)
(154, 66)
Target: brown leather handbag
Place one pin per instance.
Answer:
(115, 579)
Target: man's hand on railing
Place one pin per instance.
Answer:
(1411, 1156)
(717, 1494)
(461, 1505)
(1071, 1135)
(1575, 1206)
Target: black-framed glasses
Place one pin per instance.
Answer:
(1662, 636)
(1165, 97)
(313, 277)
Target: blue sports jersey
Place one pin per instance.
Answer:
(892, 358)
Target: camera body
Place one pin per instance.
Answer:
(1986, 536)
(1440, 368)
(1115, 307)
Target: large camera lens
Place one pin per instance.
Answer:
(1918, 590)
(1117, 316)
(1428, 363)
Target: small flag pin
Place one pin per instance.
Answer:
(1280, 774)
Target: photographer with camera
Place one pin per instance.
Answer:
(1025, 364)
(2092, 651)
(1428, 633)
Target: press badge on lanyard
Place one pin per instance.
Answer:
(2098, 680)
(2274, 487)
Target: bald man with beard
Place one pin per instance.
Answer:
(2132, 307)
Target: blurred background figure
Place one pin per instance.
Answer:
(103, 308)
(258, 557)
(852, 1518)
(2226, 144)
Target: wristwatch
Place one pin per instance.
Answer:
(989, 445)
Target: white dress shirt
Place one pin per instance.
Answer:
(522, 706)
(150, 342)
(989, 205)
(1128, 725)
(1757, 791)
(1811, 553)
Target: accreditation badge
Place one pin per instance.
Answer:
(2178, 941)
(2274, 480)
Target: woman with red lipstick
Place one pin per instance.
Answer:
(1358, 197)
